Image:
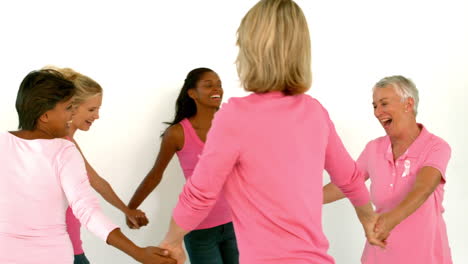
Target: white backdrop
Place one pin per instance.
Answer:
(140, 52)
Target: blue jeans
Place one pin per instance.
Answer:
(216, 245)
(81, 259)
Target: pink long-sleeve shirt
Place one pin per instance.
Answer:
(268, 152)
(422, 237)
(40, 178)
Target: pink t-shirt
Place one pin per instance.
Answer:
(268, 152)
(40, 178)
(422, 237)
(188, 158)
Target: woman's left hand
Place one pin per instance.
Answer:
(384, 225)
(136, 218)
(176, 251)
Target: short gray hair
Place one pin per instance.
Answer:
(403, 86)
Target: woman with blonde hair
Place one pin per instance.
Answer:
(87, 101)
(267, 151)
(42, 174)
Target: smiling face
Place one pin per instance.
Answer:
(392, 113)
(58, 119)
(87, 112)
(208, 91)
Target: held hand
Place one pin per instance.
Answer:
(176, 251)
(368, 223)
(384, 225)
(155, 255)
(136, 219)
(371, 235)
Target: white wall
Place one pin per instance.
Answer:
(140, 52)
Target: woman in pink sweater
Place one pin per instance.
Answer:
(42, 174)
(213, 240)
(87, 101)
(267, 151)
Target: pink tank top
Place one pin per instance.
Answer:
(74, 228)
(188, 159)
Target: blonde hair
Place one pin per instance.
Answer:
(274, 48)
(85, 87)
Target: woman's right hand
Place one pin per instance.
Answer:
(368, 219)
(176, 251)
(155, 255)
(385, 224)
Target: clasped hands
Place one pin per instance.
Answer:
(378, 227)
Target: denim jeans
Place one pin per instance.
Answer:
(81, 259)
(216, 245)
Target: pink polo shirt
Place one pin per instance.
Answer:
(422, 237)
(267, 152)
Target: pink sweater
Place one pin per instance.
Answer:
(268, 152)
(74, 227)
(188, 158)
(39, 179)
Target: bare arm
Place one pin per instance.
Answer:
(81, 198)
(173, 242)
(99, 184)
(368, 219)
(346, 176)
(427, 180)
(365, 213)
(149, 255)
(172, 141)
(332, 193)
